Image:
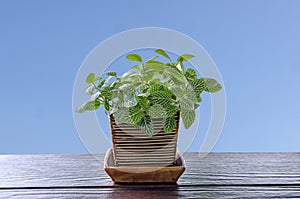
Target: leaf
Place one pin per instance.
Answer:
(92, 105)
(146, 126)
(176, 76)
(163, 53)
(154, 88)
(190, 74)
(169, 124)
(128, 89)
(112, 85)
(101, 84)
(90, 89)
(143, 102)
(160, 97)
(129, 101)
(156, 67)
(186, 103)
(191, 94)
(199, 99)
(122, 116)
(154, 80)
(198, 85)
(107, 93)
(184, 57)
(127, 74)
(106, 105)
(212, 85)
(110, 73)
(157, 111)
(179, 66)
(170, 110)
(136, 67)
(143, 88)
(80, 109)
(134, 57)
(188, 117)
(178, 91)
(135, 114)
(91, 78)
(147, 75)
(152, 59)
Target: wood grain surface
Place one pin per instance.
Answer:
(218, 175)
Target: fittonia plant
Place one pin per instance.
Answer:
(151, 89)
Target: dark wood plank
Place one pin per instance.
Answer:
(153, 192)
(216, 168)
(219, 175)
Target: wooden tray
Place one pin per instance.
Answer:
(131, 174)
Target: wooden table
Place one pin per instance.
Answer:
(219, 175)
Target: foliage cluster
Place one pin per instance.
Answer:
(151, 89)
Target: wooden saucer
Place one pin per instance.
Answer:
(132, 174)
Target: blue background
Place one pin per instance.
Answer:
(255, 44)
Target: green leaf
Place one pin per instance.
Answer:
(122, 116)
(91, 78)
(90, 89)
(191, 94)
(127, 74)
(146, 125)
(152, 60)
(154, 80)
(127, 88)
(170, 110)
(136, 115)
(186, 103)
(184, 57)
(129, 101)
(157, 111)
(107, 93)
(134, 57)
(143, 102)
(110, 73)
(136, 67)
(147, 75)
(156, 67)
(188, 117)
(178, 91)
(101, 84)
(154, 88)
(198, 85)
(176, 76)
(144, 88)
(80, 109)
(92, 105)
(160, 97)
(169, 124)
(212, 85)
(179, 66)
(163, 53)
(190, 74)
(106, 105)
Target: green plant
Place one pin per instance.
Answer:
(151, 89)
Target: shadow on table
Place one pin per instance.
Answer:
(144, 191)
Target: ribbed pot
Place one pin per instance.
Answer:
(132, 147)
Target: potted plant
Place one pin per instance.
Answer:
(145, 106)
